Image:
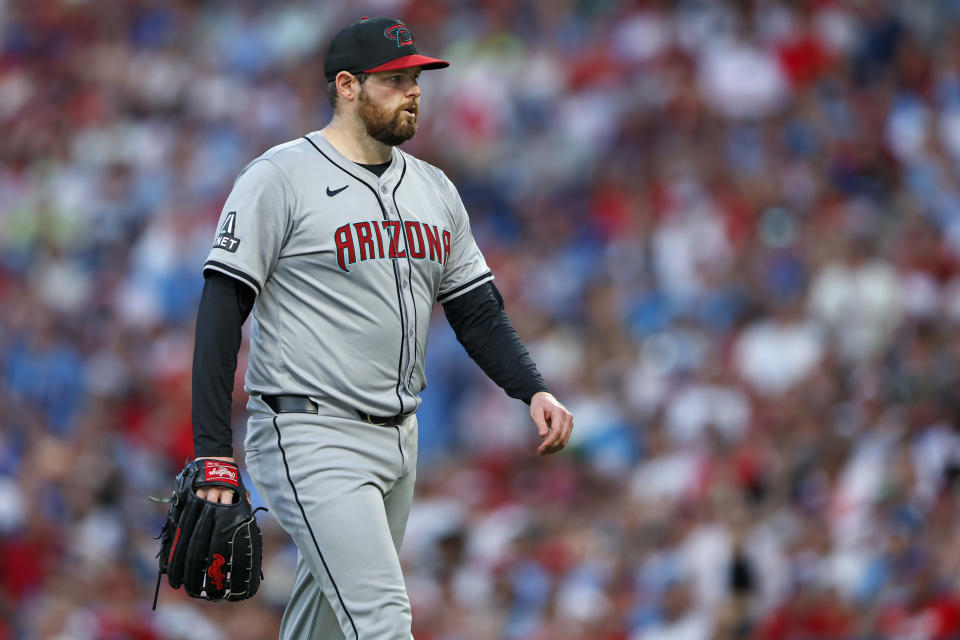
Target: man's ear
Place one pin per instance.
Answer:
(347, 85)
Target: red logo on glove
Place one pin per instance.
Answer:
(214, 470)
(215, 570)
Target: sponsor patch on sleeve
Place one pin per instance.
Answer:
(225, 238)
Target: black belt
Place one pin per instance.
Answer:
(291, 404)
(303, 404)
(383, 420)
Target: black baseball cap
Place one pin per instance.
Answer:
(375, 44)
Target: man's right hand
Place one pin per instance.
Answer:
(217, 494)
(554, 422)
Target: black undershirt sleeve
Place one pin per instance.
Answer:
(224, 306)
(485, 331)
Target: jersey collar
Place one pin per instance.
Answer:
(389, 177)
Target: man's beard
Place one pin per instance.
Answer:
(389, 128)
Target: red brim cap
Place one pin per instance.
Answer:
(405, 62)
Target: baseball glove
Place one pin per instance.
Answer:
(214, 550)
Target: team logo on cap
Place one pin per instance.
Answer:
(399, 33)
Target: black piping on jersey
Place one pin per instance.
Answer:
(236, 273)
(459, 288)
(406, 243)
(306, 521)
(396, 269)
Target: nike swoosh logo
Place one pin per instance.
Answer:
(336, 191)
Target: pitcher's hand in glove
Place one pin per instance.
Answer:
(216, 493)
(209, 543)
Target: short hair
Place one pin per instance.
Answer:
(333, 95)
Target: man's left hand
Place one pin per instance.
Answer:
(554, 422)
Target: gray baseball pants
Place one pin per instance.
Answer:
(342, 488)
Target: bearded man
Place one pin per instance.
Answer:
(340, 244)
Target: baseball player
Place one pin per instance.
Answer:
(340, 244)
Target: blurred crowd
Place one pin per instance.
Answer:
(729, 233)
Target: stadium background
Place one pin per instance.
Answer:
(728, 231)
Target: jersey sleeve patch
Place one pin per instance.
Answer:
(225, 239)
(461, 289)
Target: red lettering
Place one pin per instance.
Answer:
(376, 229)
(364, 239)
(433, 239)
(344, 240)
(446, 245)
(395, 233)
(417, 250)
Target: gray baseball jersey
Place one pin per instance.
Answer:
(346, 267)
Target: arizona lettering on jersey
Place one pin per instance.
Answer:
(297, 226)
(379, 239)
